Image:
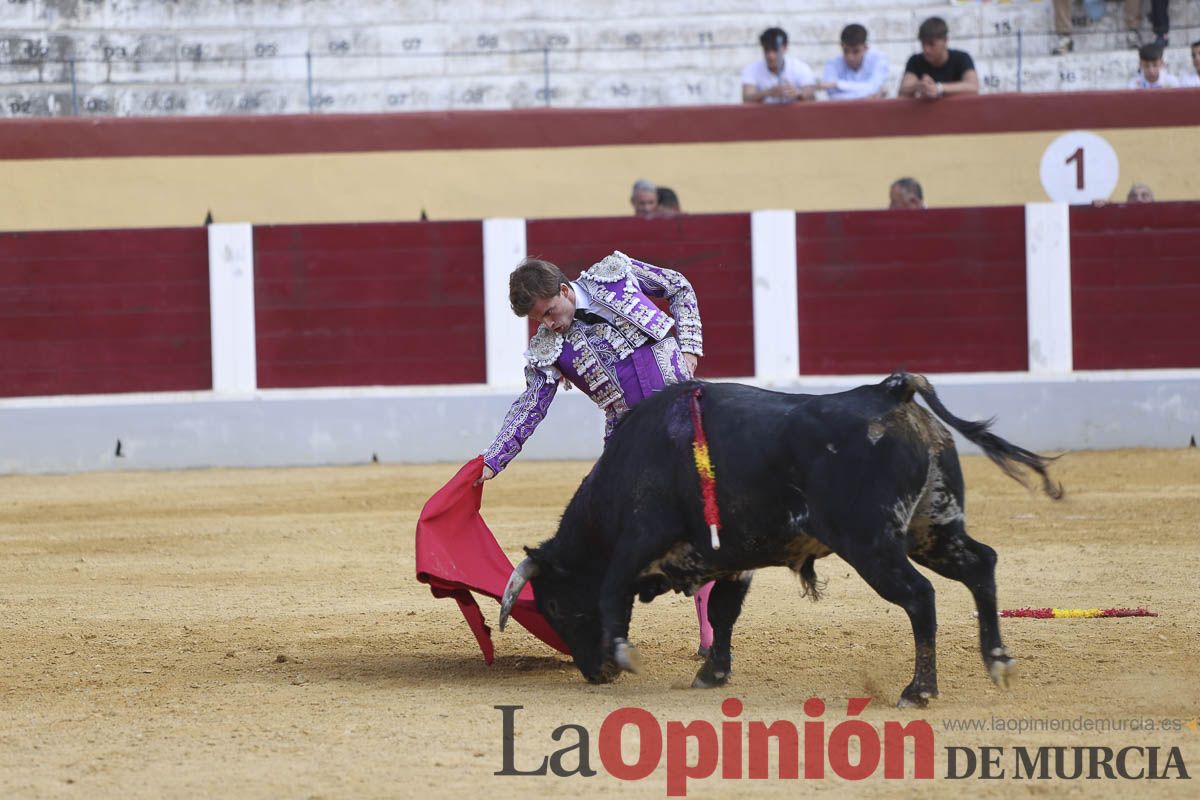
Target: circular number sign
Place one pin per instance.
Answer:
(1079, 167)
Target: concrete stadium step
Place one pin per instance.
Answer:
(380, 55)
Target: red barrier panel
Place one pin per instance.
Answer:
(371, 304)
(394, 304)
(711, 250)
(1135, 286)
(929, 291)
(96, 312)
(107, 137)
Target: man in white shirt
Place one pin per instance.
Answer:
(1193, 79)
(1152, 75)
(858, 72)
(774, 78)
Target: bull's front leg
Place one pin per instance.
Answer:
(724, 606)
(616, 610)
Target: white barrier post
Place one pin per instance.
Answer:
(1048, 287)
(776, 314)
(231, 307)
(507, 334)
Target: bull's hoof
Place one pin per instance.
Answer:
(912, 697)
(709, 677)
(627, 656)
(1003, 671)
(607, 674)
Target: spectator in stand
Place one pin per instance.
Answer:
(1160, 22)
(906, 193)
(1152, 74)
(1193, 78)
(644, 198)
(775, 78)
(1140, 193)
(668, 202)
(937, 70)
(1063, 27)
(858, 72)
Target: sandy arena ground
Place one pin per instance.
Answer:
(260, 633)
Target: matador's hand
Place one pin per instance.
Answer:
(488, 474)
(693, 361)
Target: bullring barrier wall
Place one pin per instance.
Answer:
(244, 345)
(543, 163)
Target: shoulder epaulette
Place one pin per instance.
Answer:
(544, 348)
(610, 268)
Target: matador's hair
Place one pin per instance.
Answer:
(533, 280)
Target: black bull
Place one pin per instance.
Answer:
(868, 474)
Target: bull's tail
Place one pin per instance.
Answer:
(1003, 454)
(814, 587)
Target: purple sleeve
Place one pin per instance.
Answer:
(523, 417)
(662, 282)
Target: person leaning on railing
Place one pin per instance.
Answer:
(774, 78)
(858, 72)
(938, 71)
(1193, 79)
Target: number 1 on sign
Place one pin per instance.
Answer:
(1074, 147)
(1077, 157)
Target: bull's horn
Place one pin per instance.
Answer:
(516, 582)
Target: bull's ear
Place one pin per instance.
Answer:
(538, 555)
(545, 562)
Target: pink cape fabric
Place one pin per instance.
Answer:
(457, 554)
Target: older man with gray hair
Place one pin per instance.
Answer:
(1140, 193)
(644, 198)
(905, 193)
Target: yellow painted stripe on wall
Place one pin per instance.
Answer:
(810, 175)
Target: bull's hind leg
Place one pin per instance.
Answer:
(951, 553)
(724, 606)
(882, 564)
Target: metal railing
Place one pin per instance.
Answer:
(33, 56)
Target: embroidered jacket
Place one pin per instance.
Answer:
(616, 364)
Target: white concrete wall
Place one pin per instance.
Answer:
(248, 56)
(1048, 287)
(1076, 411)
(231, 308)
(776, 307)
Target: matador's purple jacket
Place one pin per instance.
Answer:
(617, 363)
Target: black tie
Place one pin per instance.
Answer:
(589, 317)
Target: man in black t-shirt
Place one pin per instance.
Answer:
(937, 70)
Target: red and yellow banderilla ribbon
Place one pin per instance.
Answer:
(704, 467)
(1076, 613)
